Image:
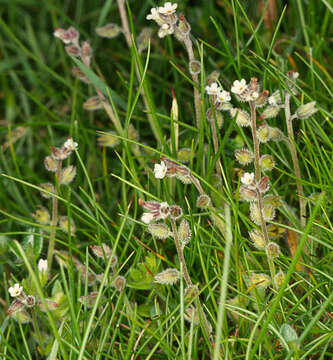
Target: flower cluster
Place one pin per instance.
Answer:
(165, 17)
(158, 211)
(169, 168)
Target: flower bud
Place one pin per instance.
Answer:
(65, 225)
(194, 67)
(306, 110)
(247, 194)
(86, 53)
(175, 212)
(73, 50)
(50, 164)
(242, 117)
(267, 162)
(272, 250)
(244, 156)
(109, 31)
(263, 133)
(79, 74)
(89, 300)
(184, 232)
(42, 215)
(48, 187)
(108, 139)
(273, 200)
(270, 112)
(15, 307)
(168, 277)
(258, 239)
(262, 98)
(276, 134)
(184, 155)
(161, 231)
(101, 251)
(93, 103)
(279, 279)
(67, 175)
(260, 281)
(203, 201)
(183, 26)
(268, 212)
(255, 213)
(119, 283)
(29, 301)
(263, 184)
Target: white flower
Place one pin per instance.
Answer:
(247, 178)
(223, 96)
(15, 290)
(147, 217)
(42, 265)
(238, 86)
(167, 9)
(213, 89)
(154, 15)
(160, 170)
(253, 96)
(164, 30)
(70, 145)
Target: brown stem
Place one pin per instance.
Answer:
(54, 219)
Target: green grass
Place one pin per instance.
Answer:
(146, 319)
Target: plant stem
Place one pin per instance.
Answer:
(257, 175)
(54, 219)
(187, 278)
(293, 152)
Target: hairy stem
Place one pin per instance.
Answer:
(54, 219)
(257, 175)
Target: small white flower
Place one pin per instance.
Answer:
(247, 178)
(160, 170)
(167, 9)
(223, 96)
(164, 30)
(238, 86)
(153, 15)
(147, 217)
(213, 89)
(70, 145)
(42, 265)
(253, 96)
(15, 290)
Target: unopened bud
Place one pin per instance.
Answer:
(276, 134)
(270, 112)
(109, 31)
(258, 239)
(203, 201)
(161, 231)
(167, 277)
(65, 225)
(194, 67)
(73, 50)
(263, 185)
(242, 117)
(50, 164)
(272, 250)
(183, 26)
(260, 281)
(267, 162)
(263, 133)
(244, 156)
(306, 110)
(67, 175)
(262, 98)
(247, 194)
(86, 53)
(184, 232)
(48, 187)
(42, 215)
(175, 212)
(93, 103)
(119, 283)
(279, 279)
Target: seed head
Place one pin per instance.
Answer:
(268, 212)
(48, 187)
(272, 250)
(203, 201)
(167, 277)
(175, 212)
(255, 213)
(93, 103)
(109, 31)
(263, 133)
(244, 156)
(194, 67)
(276, 134)
(260, 281)
(306, 110)
(247, 194)
(279, 279)
(184, 233)
(50, 164)
(119, 283)
(64, 225)
(258, 239)
(161, 231)
(242, 117)
(42, 215)
(67, 175)
(270, 112)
